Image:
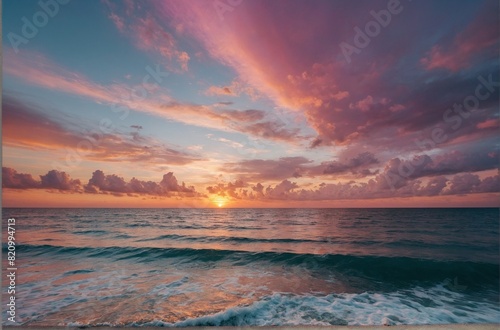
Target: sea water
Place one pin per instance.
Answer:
(234, 267)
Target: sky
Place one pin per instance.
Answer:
(250, 103)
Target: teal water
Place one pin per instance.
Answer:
(182, 267)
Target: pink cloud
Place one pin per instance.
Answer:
(148, 34)
(355, 165)
(461, 184)
(236, 88)
(397, 107)
(53, 180)
(283, 190)
(299, 80)
(302, 72)
(438, 58)
(113, 184)
(340, 95)
(364, 105)
(396, 171)
(229, 189)
(267, 169)
(399, 172)
(99, 183)
(59, 180)
(232, 43)
(12, 179)
(37, 70)
(490, 123)
(453, 173)
(118, 21)
(216, 90)
(479, 35)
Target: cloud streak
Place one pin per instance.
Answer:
(35, 69)
(27, 127)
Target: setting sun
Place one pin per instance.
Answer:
(220, 201)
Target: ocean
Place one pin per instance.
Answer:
(236, 267)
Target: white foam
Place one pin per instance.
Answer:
(437, 306)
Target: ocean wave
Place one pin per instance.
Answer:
(374, 268)
(232, 239)
(437, 305)
(91, 232)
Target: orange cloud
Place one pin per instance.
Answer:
(25, 127)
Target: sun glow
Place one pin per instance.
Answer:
(220, 201)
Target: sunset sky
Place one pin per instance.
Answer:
(250, 103)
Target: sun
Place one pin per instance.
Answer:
(220, 201)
